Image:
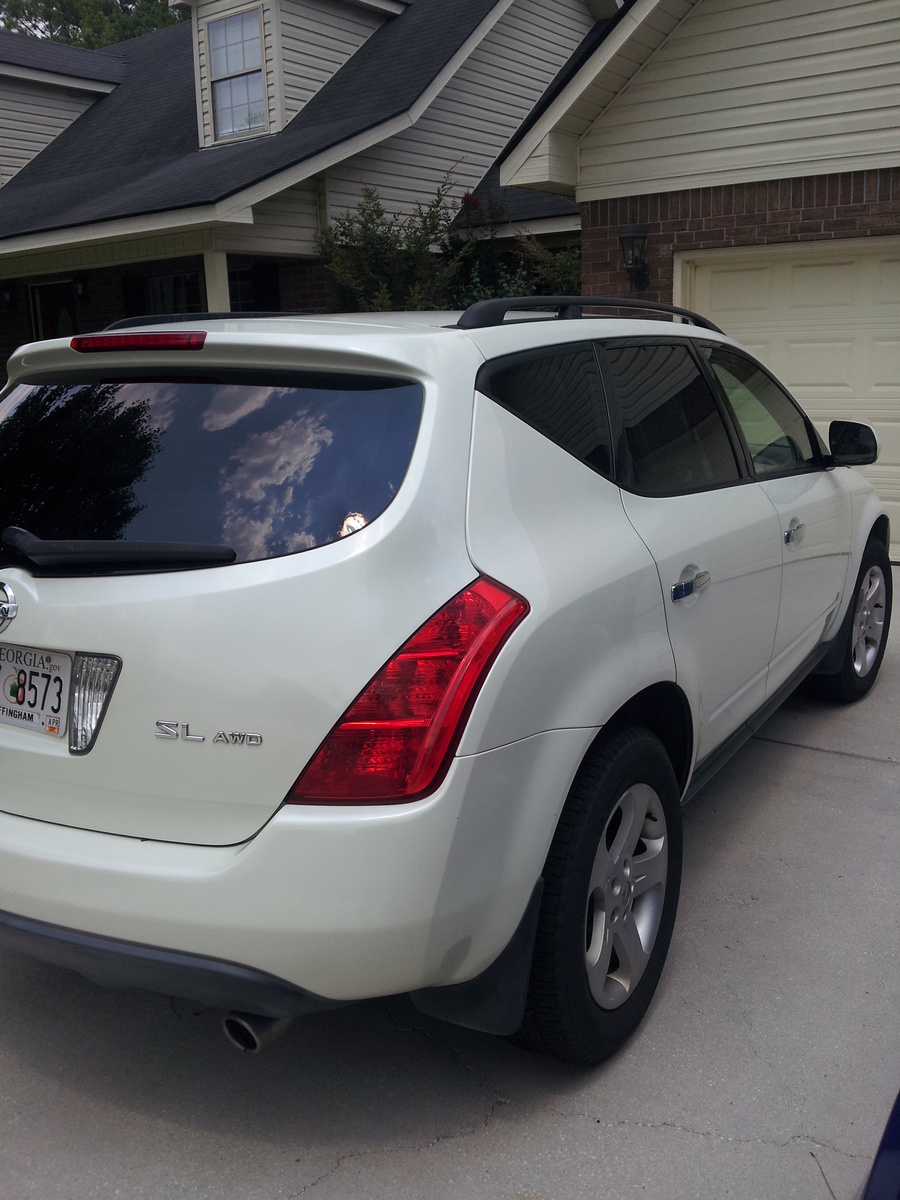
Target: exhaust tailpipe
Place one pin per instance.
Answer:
(252, 1033)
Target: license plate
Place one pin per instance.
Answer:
(34, 688)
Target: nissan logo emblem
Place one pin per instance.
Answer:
(8, 606)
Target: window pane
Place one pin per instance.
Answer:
(234, 60)
(216, 32)
(238, 104)
(173, 294)
(239, 94)
(234, 44)
(250, 38)
(256, 117)
(773, 427)
(674, 433)
(559, 393)
(223, 108)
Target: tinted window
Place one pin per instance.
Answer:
(267, 470)
(772, 425)
(559, 393)
(675, 436)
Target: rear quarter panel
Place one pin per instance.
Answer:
(543, 523)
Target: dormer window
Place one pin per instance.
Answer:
(235, 56)
(258, 62)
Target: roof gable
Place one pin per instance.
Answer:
(766, 89)
(545, 153)
(686, 93)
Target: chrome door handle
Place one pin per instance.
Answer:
(687, 587)
(794, 531)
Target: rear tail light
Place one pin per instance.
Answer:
(395, 741)
(93, 681)
(94, 343)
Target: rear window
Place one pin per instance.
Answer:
(265, 468)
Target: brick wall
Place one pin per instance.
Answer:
(304, 285)
(811, 208)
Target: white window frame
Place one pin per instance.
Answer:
(242, 73)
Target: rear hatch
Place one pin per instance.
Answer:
(201, 570)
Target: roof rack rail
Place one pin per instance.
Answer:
(494, 312)
(177, 318)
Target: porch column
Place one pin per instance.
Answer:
(215, 267)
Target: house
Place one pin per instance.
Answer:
(192, 168)
(757, 145)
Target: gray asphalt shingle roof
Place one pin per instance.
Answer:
(39, 54)
(135, 151)
(523, 204)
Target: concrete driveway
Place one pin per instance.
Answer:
(766, 1068)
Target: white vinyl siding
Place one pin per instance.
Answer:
(31, 116)
(552, 165)
(214, 10)
(474, 116)
(286, 225)
(317, 38)
(825, 317)
(764, 89)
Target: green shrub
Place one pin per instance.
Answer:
(444, 255)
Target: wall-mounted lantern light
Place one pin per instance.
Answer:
(81, 287)
(7, 293)
(632, 239)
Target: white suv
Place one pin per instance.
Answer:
(346, 657)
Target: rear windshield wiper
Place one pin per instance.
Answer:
(61, 553)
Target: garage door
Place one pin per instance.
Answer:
(825, 317)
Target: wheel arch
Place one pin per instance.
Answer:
(881, 531)
(663, 709)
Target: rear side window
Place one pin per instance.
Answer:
(265, 469)
(559, 393)
(674, 434)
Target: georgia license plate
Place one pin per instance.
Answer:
(34, 688)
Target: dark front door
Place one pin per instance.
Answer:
(53, 310)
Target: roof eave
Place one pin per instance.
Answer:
(171, 221)
(54, 79)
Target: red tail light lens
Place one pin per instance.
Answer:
(92, 343)
(395, 741)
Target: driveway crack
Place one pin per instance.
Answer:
(777, 1143)
(757, 737)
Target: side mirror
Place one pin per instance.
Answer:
(852, 444)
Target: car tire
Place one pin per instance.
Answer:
(866, 637)
(611, 885)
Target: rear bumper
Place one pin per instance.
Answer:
(115, 963)
(323, 904)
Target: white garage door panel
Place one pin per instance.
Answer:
(825, 317)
